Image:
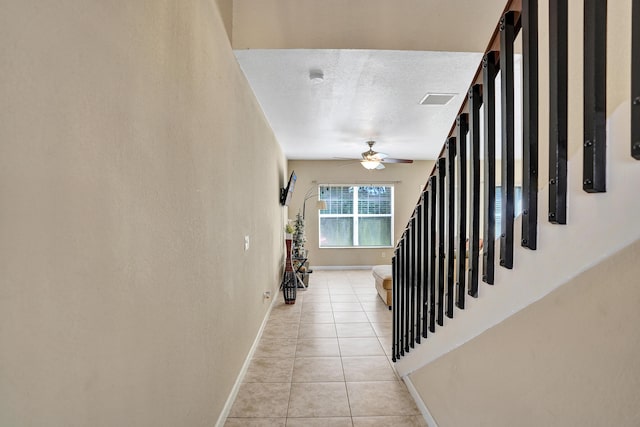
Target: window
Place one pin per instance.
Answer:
(517, 207)
(356, 216)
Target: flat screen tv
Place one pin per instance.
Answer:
(286, 192)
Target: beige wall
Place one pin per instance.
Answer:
(407, 179)
(226, 13)
(570, 359)
(365, 24)
(134, 160)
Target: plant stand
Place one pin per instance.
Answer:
(289, 280)
(289, 287)
(302, 270)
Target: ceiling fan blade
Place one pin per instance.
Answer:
(390, 160)
(370, 158)
(347, 165)
(346, 161)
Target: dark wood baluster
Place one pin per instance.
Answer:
(529, 21)
(394, 313)
(507, 37)
(406, 288)
(594, 168)
(489, 71)
(401, 300)
(426, 265)
(558, 50)
(450, 219)
(440, 234)
(475, 102)
(433, 251)
(635, 80)
(411, 282)
(462, 125)
(418, 273)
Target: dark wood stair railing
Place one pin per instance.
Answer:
(430, 272)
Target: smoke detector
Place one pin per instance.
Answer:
(316, 76)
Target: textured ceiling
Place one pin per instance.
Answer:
(379, 58)
(365, 94)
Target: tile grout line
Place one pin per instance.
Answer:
(367, 303)
(344, 376)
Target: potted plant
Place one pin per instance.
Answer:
(288, 230)
(298, 237)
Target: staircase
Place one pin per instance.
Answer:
(575, 212)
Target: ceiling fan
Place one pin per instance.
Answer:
(374, 160)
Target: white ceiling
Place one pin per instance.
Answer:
(365, 94)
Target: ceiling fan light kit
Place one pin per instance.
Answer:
(370, 164)
(374, 160)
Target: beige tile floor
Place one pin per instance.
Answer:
(324, 361)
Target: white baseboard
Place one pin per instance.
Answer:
(431, 422)
(236, 387)
(342, 267)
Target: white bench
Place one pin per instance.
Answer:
(384, 281)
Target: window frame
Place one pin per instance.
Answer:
(517, 209)
(355, 215)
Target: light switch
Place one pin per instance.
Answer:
(246, 243)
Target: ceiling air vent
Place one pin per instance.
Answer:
(437, 98)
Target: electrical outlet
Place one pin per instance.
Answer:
(246, 242)
(383, 254)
